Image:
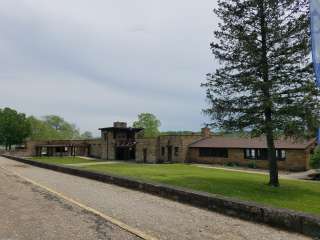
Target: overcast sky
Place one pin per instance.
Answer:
(98, 61)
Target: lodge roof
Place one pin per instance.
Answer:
(63, 145)
(232, 142)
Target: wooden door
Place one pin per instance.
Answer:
(169, 153)
(145, 155)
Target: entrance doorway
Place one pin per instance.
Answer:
(145, 155)
(125, 153)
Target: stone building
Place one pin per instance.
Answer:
(118, 142)
(59, 148)
(292, 155)
(166, 148)
(121, 142)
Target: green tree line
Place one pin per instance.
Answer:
(16, 127)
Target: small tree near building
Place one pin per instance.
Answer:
(265, 84)
(52, 127)
(62, 129)
(40, 130)
(149, 123)
(86, 135)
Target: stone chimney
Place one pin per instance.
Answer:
(206, 132)
(120, 124)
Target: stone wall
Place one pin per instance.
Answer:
(158, 148)
(31, 147)
(107, 146)
(296, 160)
(95, 149)
(173, 142)
(186, 141)
(179, 146)
(148, 146)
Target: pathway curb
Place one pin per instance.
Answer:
(306, 224)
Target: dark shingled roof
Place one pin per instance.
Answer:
(229, 142)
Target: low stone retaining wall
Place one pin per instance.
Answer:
(286, 219)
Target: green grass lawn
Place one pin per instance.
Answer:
(293, 194)
(62, 160)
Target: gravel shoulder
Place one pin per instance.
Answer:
(155, 216)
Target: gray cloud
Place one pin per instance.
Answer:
(94, 62)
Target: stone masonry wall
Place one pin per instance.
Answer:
(95, 149)
(177, 142)
(107, 146)
(151, 147)
(296, 160)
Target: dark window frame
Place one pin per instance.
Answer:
(61, 149)
(262, 154)
(214, 152)
(176, 151)
(163, 151)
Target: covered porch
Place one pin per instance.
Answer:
(56, 150)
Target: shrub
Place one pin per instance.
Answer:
(315, 158)
(252, 164)
(232, 164)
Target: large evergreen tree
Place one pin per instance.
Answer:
(265, 83)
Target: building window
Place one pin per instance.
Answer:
(61, 149)
(213, 152)
(163, 151)
(250, 153)
(176, 151)
(145, 155)
(280, 154)
(262, 154)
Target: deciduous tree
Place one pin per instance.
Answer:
(63, 129)
(86, 135)
(14, 127)
(149, 123)
(52, 127)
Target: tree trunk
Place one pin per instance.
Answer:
(267, 102)
(273, 165)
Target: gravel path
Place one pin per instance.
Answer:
(28, 212)
(155, 216)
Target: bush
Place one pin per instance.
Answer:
(252, 164)
(315, 158)
(232, 164)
